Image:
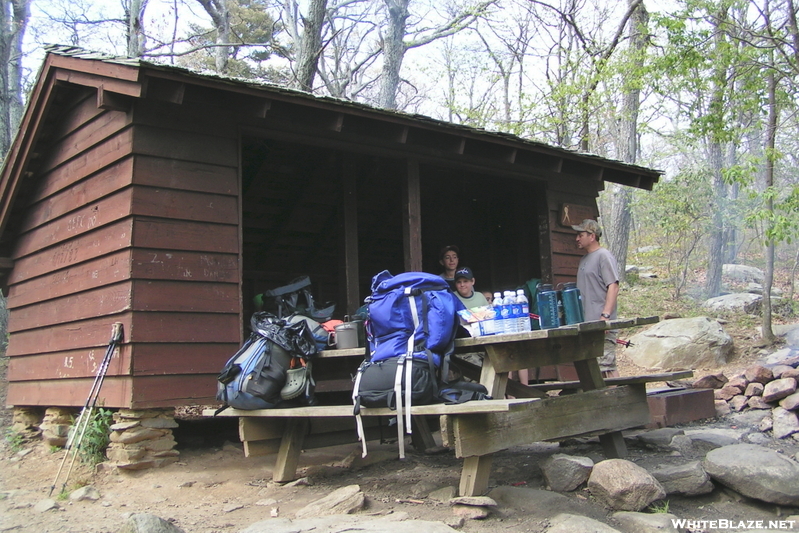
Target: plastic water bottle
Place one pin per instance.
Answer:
(514, 310)
(499, 324)
(524, 319)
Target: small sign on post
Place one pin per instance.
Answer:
(573, 214)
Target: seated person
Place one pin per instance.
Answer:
(448, 258)
(489, 297)
(464, 289)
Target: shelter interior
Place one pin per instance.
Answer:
(293, 201)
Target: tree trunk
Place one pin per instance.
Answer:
(310, 45)
(13, 21)
(220, 16)
(715, 258)
(771, 134)
(393, 52)
(136, 27)
(620, 216)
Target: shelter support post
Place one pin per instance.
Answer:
(349, 243)
(412, 221)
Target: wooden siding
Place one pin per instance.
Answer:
(565, 254)
(129, 222)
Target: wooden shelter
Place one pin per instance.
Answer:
(166, 200)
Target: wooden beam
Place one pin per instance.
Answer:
(573, 415)
(348, 214)
(412, 218)
(113, 101)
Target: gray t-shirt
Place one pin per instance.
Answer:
(596, 272)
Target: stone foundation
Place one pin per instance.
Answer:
(56, 423)
(142, 439)
(26, 420)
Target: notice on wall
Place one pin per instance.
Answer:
(573, 214)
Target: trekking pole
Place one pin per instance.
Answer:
(88, 407)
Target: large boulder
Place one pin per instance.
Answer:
(755, 472)
(742, 273)
(681, 343)
(623, 485)
(741, 302)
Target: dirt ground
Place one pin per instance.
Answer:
(214, 488)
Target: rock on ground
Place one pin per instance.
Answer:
(569, 523)
(630, 522)
(689, 479)
(755, 472)
(147, 523)
(622, 485)
(564, 473)
(681, 343)
(345, 500)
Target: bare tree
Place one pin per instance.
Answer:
(14, 17)
(350, 48)
(220, 17)
(620, 216)
(597, 52)
(308, 42)
(136, 37)
(395, 46)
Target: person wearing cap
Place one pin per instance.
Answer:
(598, 281)
(448, 258)
(464, 289)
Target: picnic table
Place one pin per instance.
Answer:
(478, 429)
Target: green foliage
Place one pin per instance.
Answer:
(681, 209)
(96, 438)
(781, 222)
(661, 506)
(15, 440)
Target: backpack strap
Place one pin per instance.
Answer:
(356, 400)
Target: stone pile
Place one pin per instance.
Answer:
(56, 424)
(26, 421)
(761, 387)
(142, 439)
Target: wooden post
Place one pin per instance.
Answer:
(290, 447)
(591, 379)
(412, 219)
(349, 221)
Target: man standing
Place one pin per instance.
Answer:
(598, 281)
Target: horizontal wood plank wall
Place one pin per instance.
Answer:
(565, 254)
(131, 223)
(185, 297)
(71, 273)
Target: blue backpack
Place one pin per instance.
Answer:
(413, 313)
(262, 373)
(411, 330)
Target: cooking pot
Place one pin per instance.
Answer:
(345, 335)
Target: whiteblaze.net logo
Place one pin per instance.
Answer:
(698, 526)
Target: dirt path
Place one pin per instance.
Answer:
(214, 488)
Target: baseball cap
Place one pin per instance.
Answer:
(450, 248)
(464, 272)
(591, 226)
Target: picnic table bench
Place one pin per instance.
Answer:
(477, 429)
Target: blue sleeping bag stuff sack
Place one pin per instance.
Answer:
(411, 330)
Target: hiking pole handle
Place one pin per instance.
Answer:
(116, 333)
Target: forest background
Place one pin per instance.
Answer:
(704, 89)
